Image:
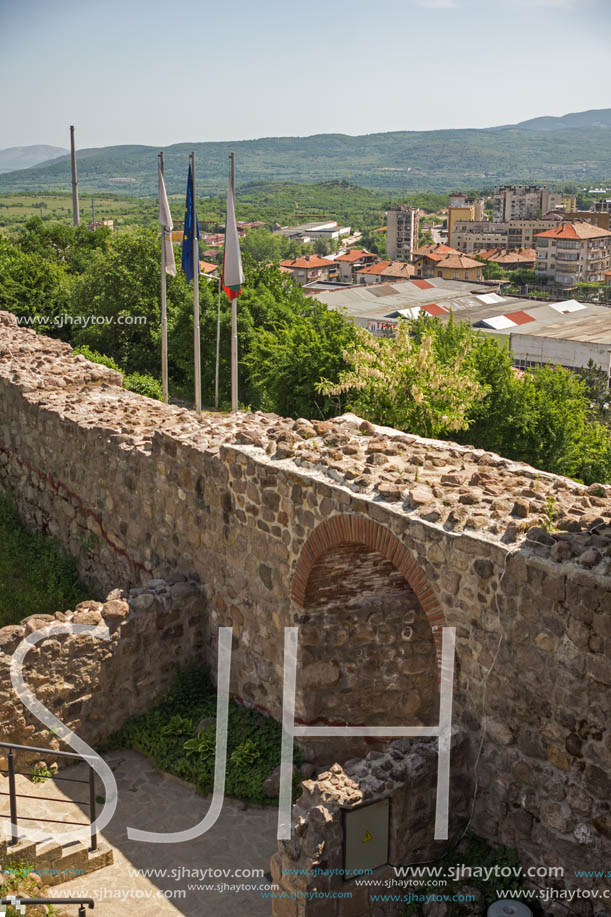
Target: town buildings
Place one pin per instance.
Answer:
(401, 232)
(509, 260)
(385, 272)
(596, 217)
(458, 199)
(207, 269)
(523, 202)
(471, 235)
(309, 232)
(464, 207)
(309, 268)
(352, 261)
(442, 261)
(566, 333)
(100, 224)
(574, 253)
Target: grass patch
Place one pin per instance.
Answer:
(16, 881)
(36, 574)
(166, 735)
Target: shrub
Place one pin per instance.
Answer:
(143, 384)
(165, 734)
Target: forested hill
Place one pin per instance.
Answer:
(23, 157)
(401, 160)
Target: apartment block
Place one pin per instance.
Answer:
(596, 217)
(472, 235)
(402, 232)
(522, 233)
(523, 202)
(462, 214)
(460, 199)
(574, 253)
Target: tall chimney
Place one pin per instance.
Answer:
(75, 208)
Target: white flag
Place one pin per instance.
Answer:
(233, 275)
(165, 218)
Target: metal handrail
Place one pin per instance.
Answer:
(46, 751)
(14, 795)
(82, 902)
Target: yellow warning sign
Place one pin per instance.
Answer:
(367, 837)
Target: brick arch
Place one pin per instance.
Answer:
(354, 529)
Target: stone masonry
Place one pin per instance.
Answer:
(310, 524)
(94, 685)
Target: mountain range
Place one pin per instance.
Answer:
(572, 148)
(22, 157)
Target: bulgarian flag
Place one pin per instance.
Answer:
(233, 276)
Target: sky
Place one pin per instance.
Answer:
(157, 73)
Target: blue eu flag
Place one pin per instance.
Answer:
(189, 238)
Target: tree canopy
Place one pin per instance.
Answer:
(298, 358)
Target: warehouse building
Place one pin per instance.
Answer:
(568, 333)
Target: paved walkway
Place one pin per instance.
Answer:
(243, 838)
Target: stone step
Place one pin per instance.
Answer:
(75, 861)
(23, 850)
(57, 863)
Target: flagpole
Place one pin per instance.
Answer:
(234, 318)
(164, 310)
(218, 346)
(196, 338)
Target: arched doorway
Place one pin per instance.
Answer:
(368, 631)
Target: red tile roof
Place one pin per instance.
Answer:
(207, 268)
(504, 256)
(423, 284)
(306, 262)
(458, 261)
(355, 255)
(390, 269)
(435, 251)
(577, 230)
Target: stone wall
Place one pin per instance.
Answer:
(311, 865)
(94, 685)
(517, 560)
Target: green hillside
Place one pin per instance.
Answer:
(405, 160)
(282, 202)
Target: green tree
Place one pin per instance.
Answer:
(291, 355)
(262, 245)
(66, 245)
(34, 288)
(116, 302)
(494, 271)
(374, 241)
(411, 382)
(550, 425)
(445, 380)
